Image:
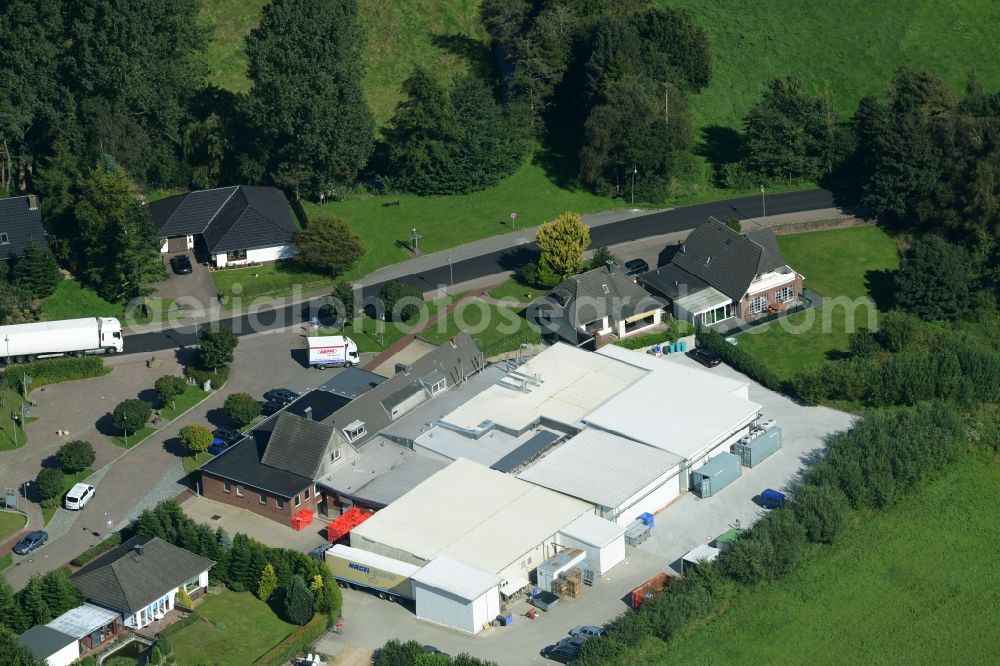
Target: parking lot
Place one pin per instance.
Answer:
(686, 523)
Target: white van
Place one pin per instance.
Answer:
(78, 496)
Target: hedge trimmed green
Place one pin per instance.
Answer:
(94, 551)
(528, 335)
(739, 360)
(53, 371)
(675, 331)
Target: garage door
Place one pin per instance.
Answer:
(178, 244)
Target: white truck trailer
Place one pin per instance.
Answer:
(381, 575)
(332, 350)
(27, 342)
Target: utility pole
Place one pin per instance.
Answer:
(666, 101)
(635, 172)
(451, 277)
(763, 206)
(125, 416)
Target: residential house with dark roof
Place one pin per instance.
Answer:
(233, 225)
(20, 220)
(596, 304)
(718, 273)
(276, 469)
(140, 579)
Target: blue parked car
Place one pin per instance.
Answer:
(771, 498)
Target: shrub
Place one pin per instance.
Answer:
(822, 512)
(897, 329)
(195, 438)
(300, 640)
(401, 300)
(241, 408)
(529, 274)
(76, 456)
(216, 347)
(298, 602)
(863, 343)
(131, 415)
(268, 583)
(169, 387)
(50, 483)
(184, 599)
(740, 360)
(53, 371)
(201, 375)
(91, 553)
(675, 331)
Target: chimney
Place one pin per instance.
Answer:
(454, 343)
(32, 202)
(610, 265)
(683, 249)
(137, 549)
(308, 413)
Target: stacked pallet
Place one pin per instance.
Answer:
(558, 586)
(573, 583)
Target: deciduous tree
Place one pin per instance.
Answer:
(934, 279)
(241, 408)
(216, 347)
(169, 387)
(131, 415)
(195, 438)
(76, 456)
(329, 244)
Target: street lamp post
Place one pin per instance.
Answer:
(763, 206)
(635, 172)
(451, 277)
(125, 417)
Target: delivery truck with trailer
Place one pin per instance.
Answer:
(332, 351)
(27, 342)
(381, 575)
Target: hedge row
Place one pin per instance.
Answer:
(740, 360)
(300, 640)
(527, 334)
(217, 377)
(53, 371)
(675, 331)
(91, 553)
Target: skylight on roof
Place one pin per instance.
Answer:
(606, 289)
(708, 261)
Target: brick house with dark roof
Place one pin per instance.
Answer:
(234, 225)
(274, 470)
(718, 273)
(141, 579)
(20, 220)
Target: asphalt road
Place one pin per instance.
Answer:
(654, 224)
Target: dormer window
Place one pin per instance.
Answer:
(4, 239)
(438, 386)
(355, 430)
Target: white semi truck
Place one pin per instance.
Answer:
(27, 342)
(332, 350)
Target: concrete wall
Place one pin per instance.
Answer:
(214, 488)
(446, 609)
(652, 498)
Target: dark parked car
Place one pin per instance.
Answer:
(771, 498)
(635, 267)
(565, 650)
(284, 395)
(32, 541)
(587, 631)
(706, 357)
(272, 406)
(181, 264)
(223, 439)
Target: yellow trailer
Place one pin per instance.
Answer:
(388, 578)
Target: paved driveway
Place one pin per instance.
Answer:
(197, 288)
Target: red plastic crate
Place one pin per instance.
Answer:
(343, 524)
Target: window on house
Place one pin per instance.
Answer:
(4, 239)
(236, 255)
(758, 304)
(298, 500)
(239, 490)
(226, 487)
(355, 430)
(305, 494)
(335, 456)
(438, 386)
(279, 503)
(262, 498)
(784, 294)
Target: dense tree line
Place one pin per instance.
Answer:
(616, 74)
(43, 599)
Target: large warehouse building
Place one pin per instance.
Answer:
(485, 519)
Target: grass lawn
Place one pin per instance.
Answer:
(6, 561)
(514, 290)
(191, 463)
(192, 396)
(10, 522)
(134, 438)
(225, 57)
(72, 300)
(236, 628)
(274, 279)
(854, 263)
(12, 435)
(372, 336)
(69, 480)
(487, 323)
(908, 585)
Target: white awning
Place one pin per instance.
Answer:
(509, 587)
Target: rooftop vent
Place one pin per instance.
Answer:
(308, 412)
(137, 549)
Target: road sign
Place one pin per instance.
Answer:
(25, 408)
(27, 378)
(513, 216)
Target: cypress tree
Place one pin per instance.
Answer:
(298, 602)
(37, 270)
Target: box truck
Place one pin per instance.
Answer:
(27, 342)
(332, 350)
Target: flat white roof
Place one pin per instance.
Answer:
(594, 530)
(326, 341)
(701, 552)
(473, 514)
(708, 298)
(572, 382)
(464, 581)
(600, 467)
(667, 411)
(711, 380)
(373, 560)
(82, 620)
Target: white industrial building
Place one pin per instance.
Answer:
(483, 518)
(602, 541)
(622, 478)
(456, 595)
(711, 380)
